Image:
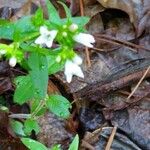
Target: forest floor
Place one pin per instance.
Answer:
(111, 105)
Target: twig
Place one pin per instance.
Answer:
(101, 89)
(99, 49)
(87, 145)
(136, 87)
(81, 7)
(20, 116)
(111, 138)
(116, 43)
(125, 93)
(126, 43)
(88, 56)
(86, 48)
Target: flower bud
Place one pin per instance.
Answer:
(12, 61)
(58, 59)
(73, 27)
(64, 34)
(64, 26)
(2, 52)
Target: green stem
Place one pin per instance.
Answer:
(38, 108)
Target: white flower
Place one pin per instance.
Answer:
(85, 39)
(12, 61)
(72, 68)
(46, 37)
(73, 27)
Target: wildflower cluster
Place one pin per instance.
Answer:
(67, 35)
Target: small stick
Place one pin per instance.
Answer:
(126, 43)
(136, 87)
(86, 48)
(87, 145)
(111, 138)
(20, 116)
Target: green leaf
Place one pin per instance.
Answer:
(52, 12)
(30, 125)
(38, 18)
(67, 10)
(25, 90)
(80, 21)
(75, 143)
(17, 127)
(39, 74)
(24, 29)
(32, 144)
(59, 105)
(53, 66)
(7, 31)
(3, 22)
(56, 147)
(28, 48)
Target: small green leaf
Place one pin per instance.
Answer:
(25, 90)
(24, 29)
(80, 21)
(67, 10)
(75, 143)
(39, 74)
(59, 105)
(30, 125)
(17, 127)
(28, 48)
(32, 144)
(52, 12)
(56, 147)
(38, 18)
(7, 31)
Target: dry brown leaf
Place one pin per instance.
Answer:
(124, 5)
(12, 3)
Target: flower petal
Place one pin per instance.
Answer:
(78, 72)
(49, 43)
(40, 40)
(72, 69)
(53, 33)
(68, 77)
(43, 30)
(77, 60)
(68, 70)
(85, 39)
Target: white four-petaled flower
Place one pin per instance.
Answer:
(46, 37)
(85, 39)
(12, 61)
(72, 68)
